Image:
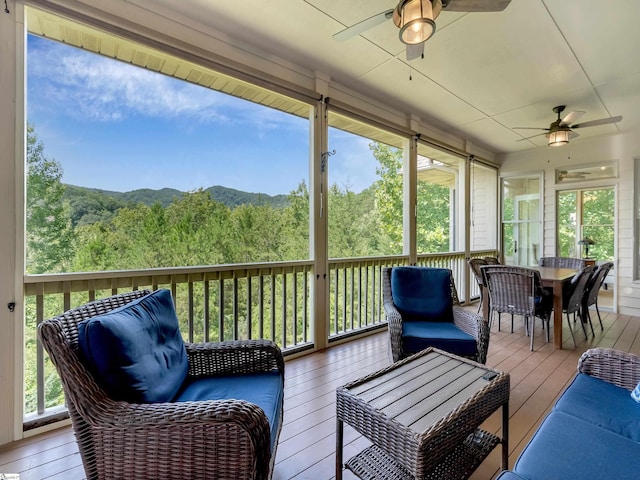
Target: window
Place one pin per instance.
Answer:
(586, 214)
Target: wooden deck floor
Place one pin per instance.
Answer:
(307, 442)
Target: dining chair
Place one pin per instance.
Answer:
(492, 260)
(475, 264)
(572, 298)
(562, 262)
(590, 296)
(518, 291)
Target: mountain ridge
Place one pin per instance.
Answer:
(89, 205)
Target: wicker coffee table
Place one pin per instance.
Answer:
(422, 416)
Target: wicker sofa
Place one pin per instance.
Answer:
(144, 404)
(593, 431)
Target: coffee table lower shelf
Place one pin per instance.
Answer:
(374, 464)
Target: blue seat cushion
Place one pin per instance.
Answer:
(418, 335)
(566, 447)
(262, 389)
(421, 293)
(603, 404)
(136, 352)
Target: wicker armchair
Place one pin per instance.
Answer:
(228, 439)
(468, 322)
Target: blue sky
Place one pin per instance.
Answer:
(118, 127)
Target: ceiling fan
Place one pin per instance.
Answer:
(416, 19)
(566, 175)
(560, 131)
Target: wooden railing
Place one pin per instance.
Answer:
(226, 302)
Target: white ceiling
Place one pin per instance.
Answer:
(482, 73)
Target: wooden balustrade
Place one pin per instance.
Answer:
(226, 302)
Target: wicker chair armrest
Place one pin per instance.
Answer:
(613, 366)
(234, 357)
(212, 430)
(474, 325)
(394, 321)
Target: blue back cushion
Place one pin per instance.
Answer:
(136, 351)
(421, 293)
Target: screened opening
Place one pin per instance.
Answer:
(139, 159)
(365, 189)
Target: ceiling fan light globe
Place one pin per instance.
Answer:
(558, 138)
(417, 32)
(414, 18)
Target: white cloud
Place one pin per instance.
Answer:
(89, 86)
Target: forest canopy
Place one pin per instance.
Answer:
(74, 228)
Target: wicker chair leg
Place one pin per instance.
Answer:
(582, 322)
(532, 328)
(599, 318)
(512, 323)
(548, 320)
(587, 316)
(571, 330)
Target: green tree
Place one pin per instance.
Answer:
(388, 194)
(48, 228)
(433, 220)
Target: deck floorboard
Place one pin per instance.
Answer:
(307, 442)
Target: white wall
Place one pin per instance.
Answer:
(622, 148)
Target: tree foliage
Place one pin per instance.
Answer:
(48, 227)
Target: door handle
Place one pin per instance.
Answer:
(515, 246)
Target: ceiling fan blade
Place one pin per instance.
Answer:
(475, 5)
(571, 117)
(415, 51)
(529, 128)
(573, 135)
(602, 121)
(363, 26)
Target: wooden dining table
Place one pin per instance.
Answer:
(555, 279)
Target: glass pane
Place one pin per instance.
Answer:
(508, 243)
(598, 222)
(515, 187)
(567, 224)
(521, 220)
